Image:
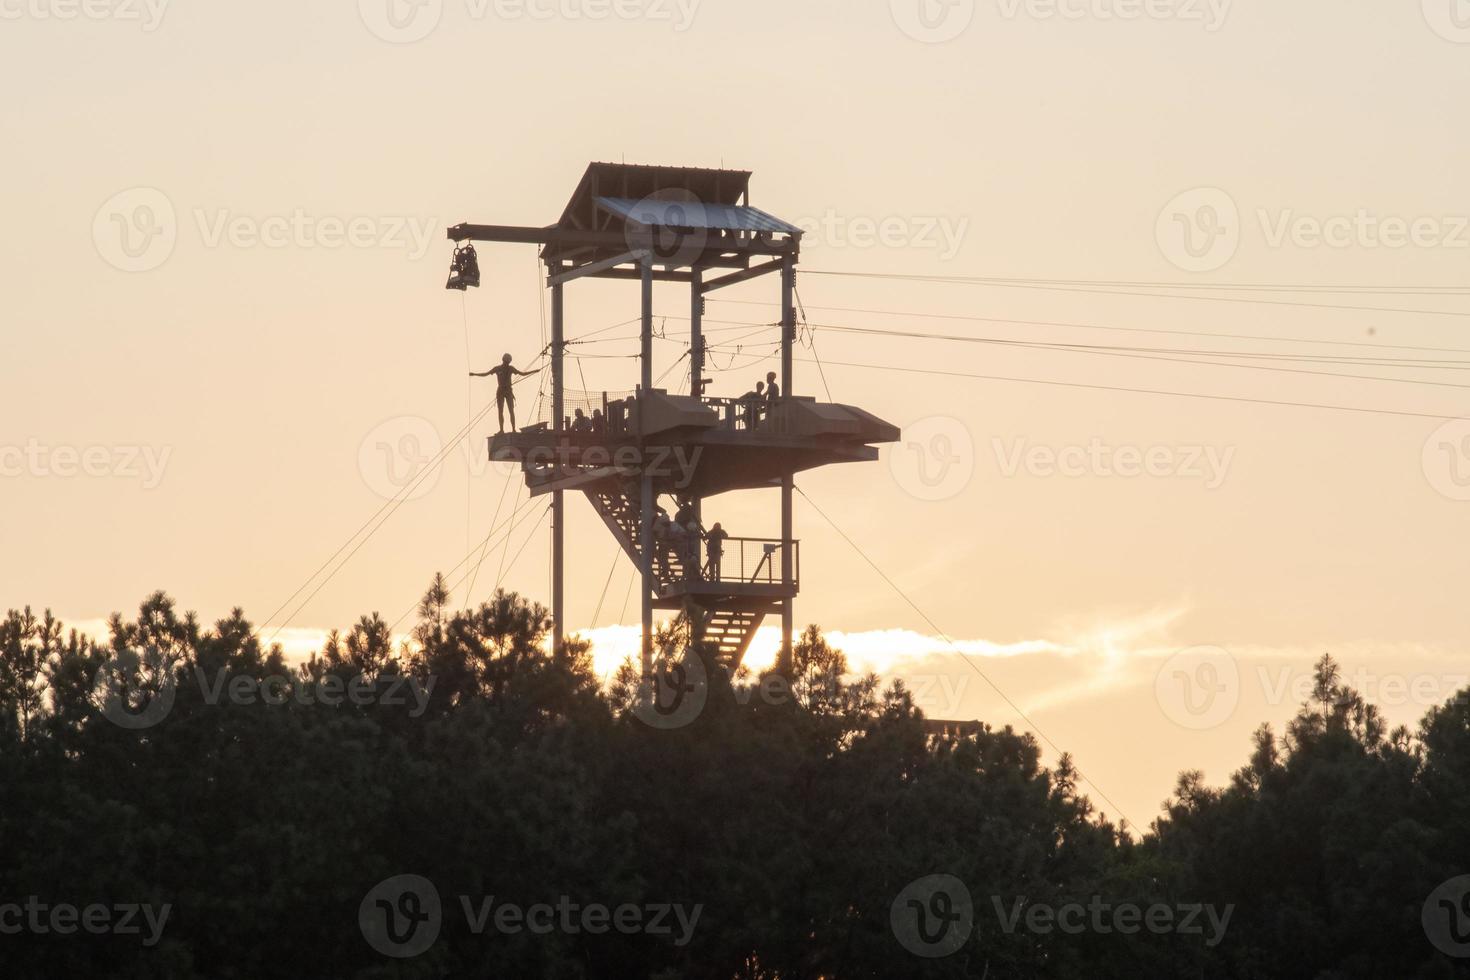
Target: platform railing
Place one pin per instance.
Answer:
(616, 416)
(746, 414)
(751, 561)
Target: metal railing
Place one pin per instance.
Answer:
(750, 561)
(744, 413)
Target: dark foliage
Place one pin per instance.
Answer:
(270, 799)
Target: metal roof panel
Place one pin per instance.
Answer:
(676, 213)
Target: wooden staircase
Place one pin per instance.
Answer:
(623, 517)
(726, 624)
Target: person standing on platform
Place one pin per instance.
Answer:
(505, 395)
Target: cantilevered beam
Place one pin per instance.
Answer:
(743, 275)
(593, 268)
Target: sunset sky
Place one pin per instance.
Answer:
(226, 338)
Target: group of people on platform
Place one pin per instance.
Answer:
(681, 537)
(756, 404)
(759, 402)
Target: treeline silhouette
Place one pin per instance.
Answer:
(263, 813)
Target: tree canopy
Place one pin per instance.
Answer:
(805, 827)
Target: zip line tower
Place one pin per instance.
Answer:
(694, 226)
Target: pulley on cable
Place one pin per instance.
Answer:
(464, 268)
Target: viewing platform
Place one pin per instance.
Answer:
(698, 446)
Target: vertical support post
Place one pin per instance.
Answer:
(788, 483)
(646, 518)
(696, 353)
(558, 511)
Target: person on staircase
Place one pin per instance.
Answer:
(661, 541)
(693, 534)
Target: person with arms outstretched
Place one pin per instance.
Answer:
(505, 395)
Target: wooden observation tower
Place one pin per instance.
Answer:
(694, 226)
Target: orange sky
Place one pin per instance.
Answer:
(223, 300)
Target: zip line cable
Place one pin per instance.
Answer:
(1247, 287)
(965, 281)
(1101, 326)
(963, 656)
(498, 505)
(1146, 391)
(508, 524)
(386, 511)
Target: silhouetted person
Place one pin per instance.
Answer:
(581, 423)
(693, 534)
(504, 394)
(599, 424)
(773, 390)
(752, 401)
(716, 547)
(661, 541)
